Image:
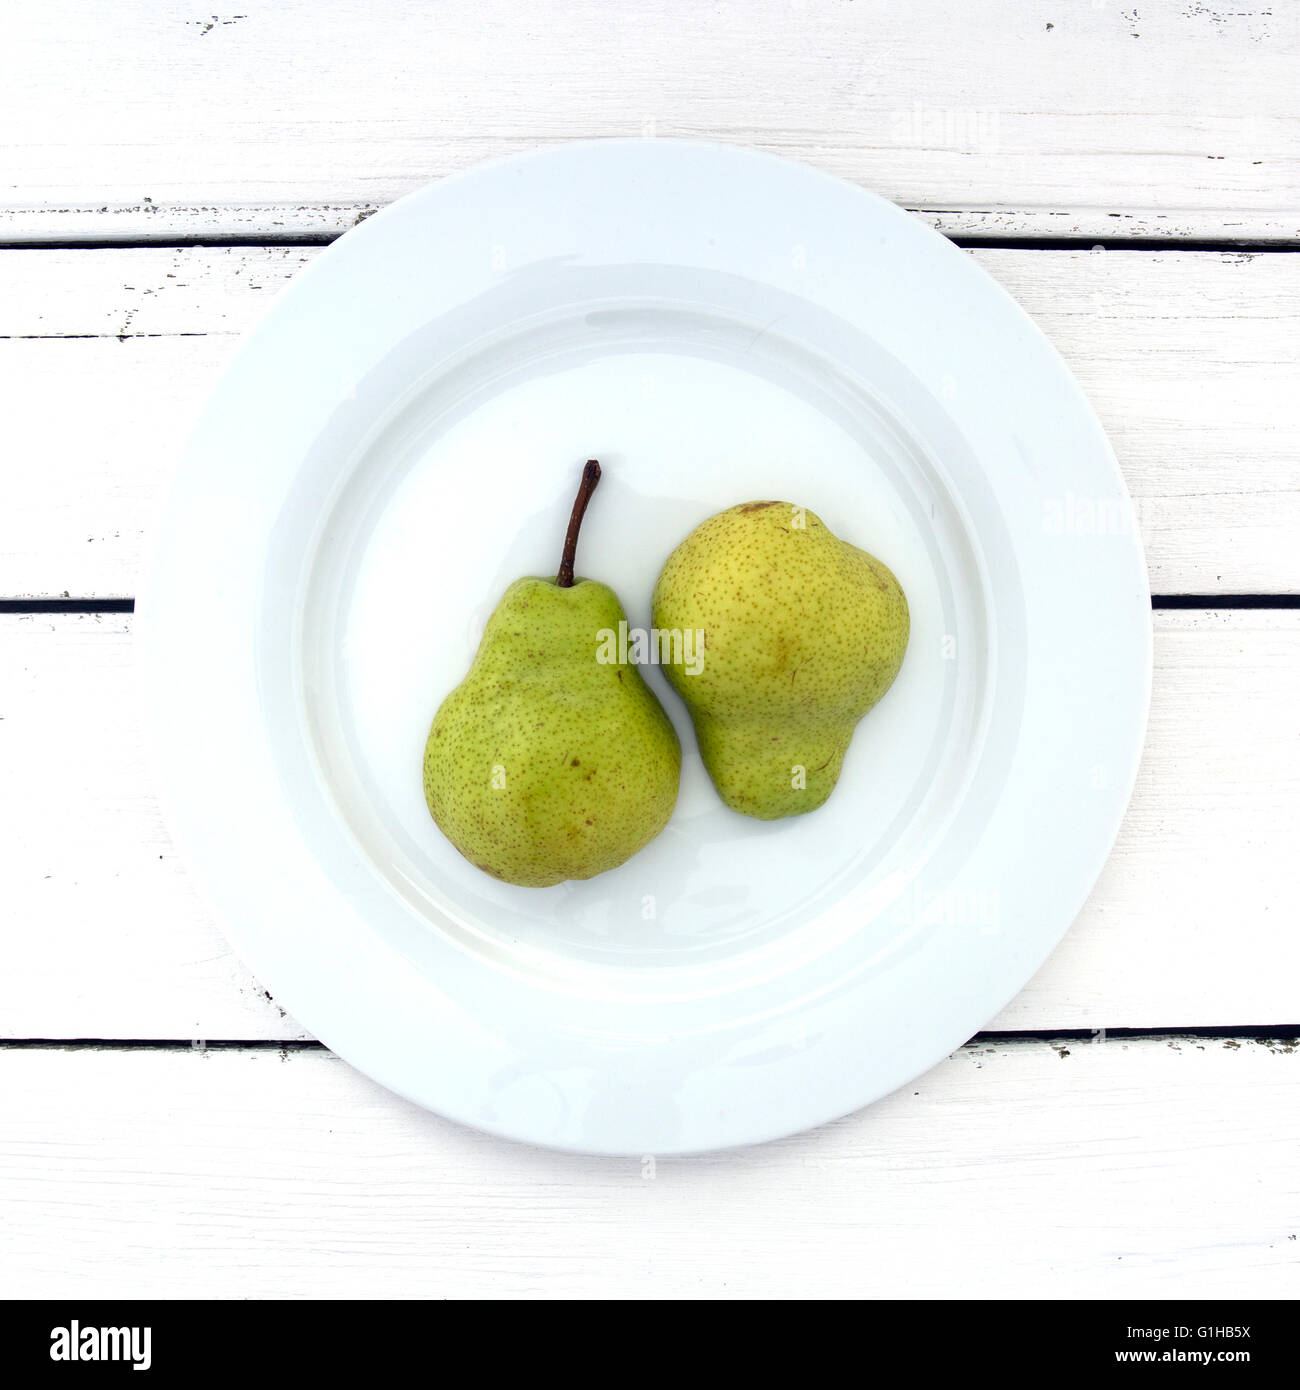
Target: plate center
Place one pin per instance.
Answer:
(465, 485)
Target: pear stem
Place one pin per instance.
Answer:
(590, 477)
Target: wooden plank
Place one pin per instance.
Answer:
(1190, 359)
(1196, 906)
(249, 1175)
(109, 938)
(149, 120)
(105, 360)
(1191, 924)
(93, 428)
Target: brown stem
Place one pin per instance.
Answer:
(590, 477)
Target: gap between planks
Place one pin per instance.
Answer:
(1159, 602)
(166, 240)
(1284, 1036)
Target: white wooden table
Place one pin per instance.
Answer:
(1129, 1126)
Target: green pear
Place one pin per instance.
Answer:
(547, 763)
(802, 634)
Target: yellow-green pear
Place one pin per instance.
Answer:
(802, 633)
(548, 763)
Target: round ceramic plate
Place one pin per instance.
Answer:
(401, 437)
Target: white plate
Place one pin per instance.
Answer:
(401, 437)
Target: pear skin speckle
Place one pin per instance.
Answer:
(803, 635)
(545, 764)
